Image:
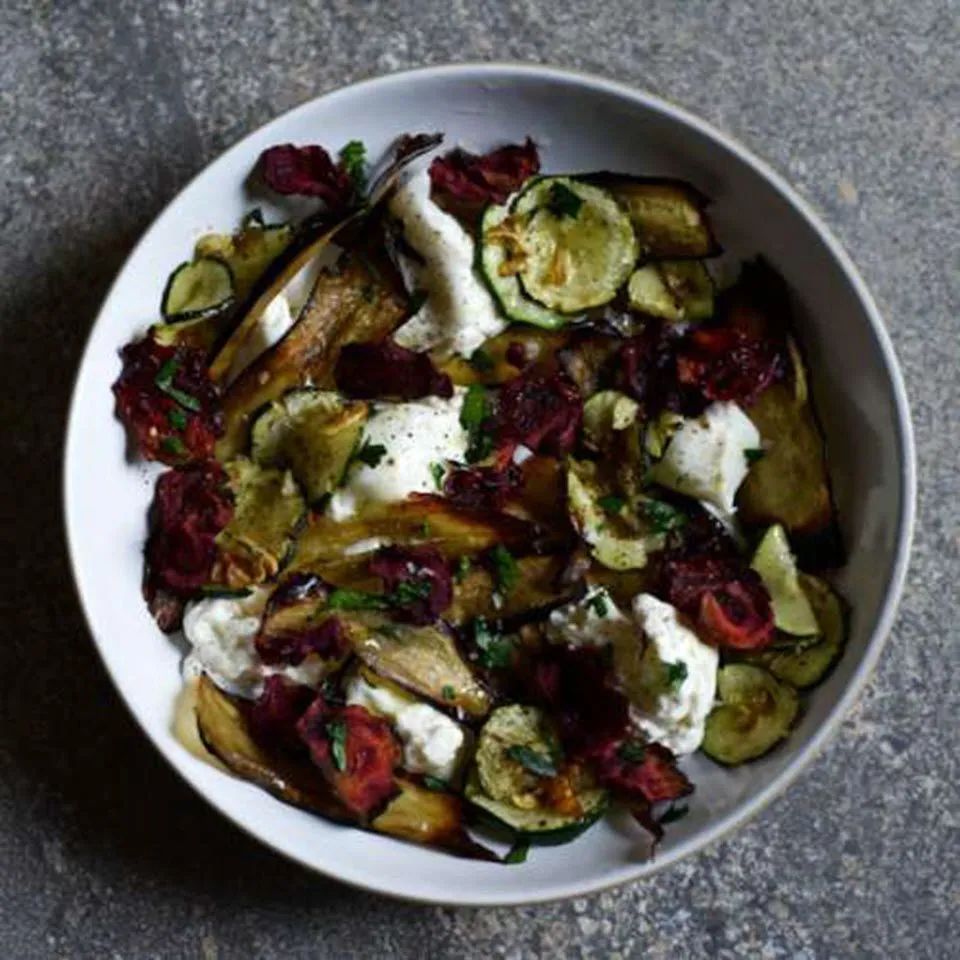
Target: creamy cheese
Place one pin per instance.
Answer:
(415, 436)
(221, 632)
(592, 621)
(274, 322)
(433, 744)
(706, 458)
(680, 678)
(458, 313)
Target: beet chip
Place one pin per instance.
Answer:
(355, 751)
(308, 172)
(274, 714)
(646, 771)
(167, 400)
(385, 369)
(191, 506)
(490, 178)
(482, 488)
(418, 580)
(540, 411)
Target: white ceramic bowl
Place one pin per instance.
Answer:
(581, 123)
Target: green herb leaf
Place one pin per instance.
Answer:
(370, 453)
(337, 733)
(481, 361)
(676, 674)
(505, 568)
(598, 603)
(463, 568)
(632, 751)
(537, 763)
(474, 416)
(343, 598)
(518, 852)
(674, 813)
(173, 446)
(435, 784)
(663, 517)
(448, 693)
(177, 418)
(438, 470)
(164, 382)
(754, 454)
(495, 650)
(353, 159)
(611, 503)
(217, 590)
(409, 591)
(563, 202)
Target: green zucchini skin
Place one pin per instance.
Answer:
(220, 298)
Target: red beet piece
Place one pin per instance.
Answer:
(355, 751)
(191, 506)
(386, 369)
(540, 411)
(308, 172)
(273, 716)
(418, 580)
(647, 771)
(489, 178)
(167, 400)
(482, 488)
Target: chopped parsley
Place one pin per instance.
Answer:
(463, 568)
(369, 453)
(410, 591)
(337, 733)
(164, 382)
(437, 470)
(448, 693)
(173, 445)
(353, 159)
(674, 813)
(505, 568)
(597, 602)
(177, 418)
(494, 649)
(663, 517)
(563, 202)
(474, 416)
(435, 784)
(518, 852)
(676, 674)
(343, 598)
(541, 764)
(754, 454)
(611, 503)
(481, 361)
(631, 751)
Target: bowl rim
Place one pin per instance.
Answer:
(751, 806)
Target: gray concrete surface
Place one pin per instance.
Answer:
(106, 108)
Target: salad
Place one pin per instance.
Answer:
(491, 495)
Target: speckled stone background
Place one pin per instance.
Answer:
(106, 108)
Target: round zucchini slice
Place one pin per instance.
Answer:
(773, 560)
(197, 289)
(502, 282)
(577, 245)
(755, 713)
(516, 752)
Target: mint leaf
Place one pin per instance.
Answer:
(353, 159)
(611, 503)
(537, 763)
(437, 470)
(505, 568)
(563, 202)
(344, 598)
(370, 453)
(474, 416)
(518, 852)
(337, 733)
(164, 382)
(495, 650)
(663, 517)
(676, 674)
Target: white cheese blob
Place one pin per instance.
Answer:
(274, 322)
(458, 313)
(433, 744)
(415, 436)
(222, 630)
(592, 621)
(680, 678)
(706, 458)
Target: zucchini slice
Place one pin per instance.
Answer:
(313, 432)
(502, 281)
(506, 790)
(605, 414)
(668, 215)
(680, 291)
(755, 713)
(196, 290)
(773, 560)
(268, 510)
(576, 244)
(806, 665)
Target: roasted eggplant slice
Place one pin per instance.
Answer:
(422, 658)
(268, 509)
(225, 733)
(669, 216)
(349, 304)
(496, 361)
(313, 432)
